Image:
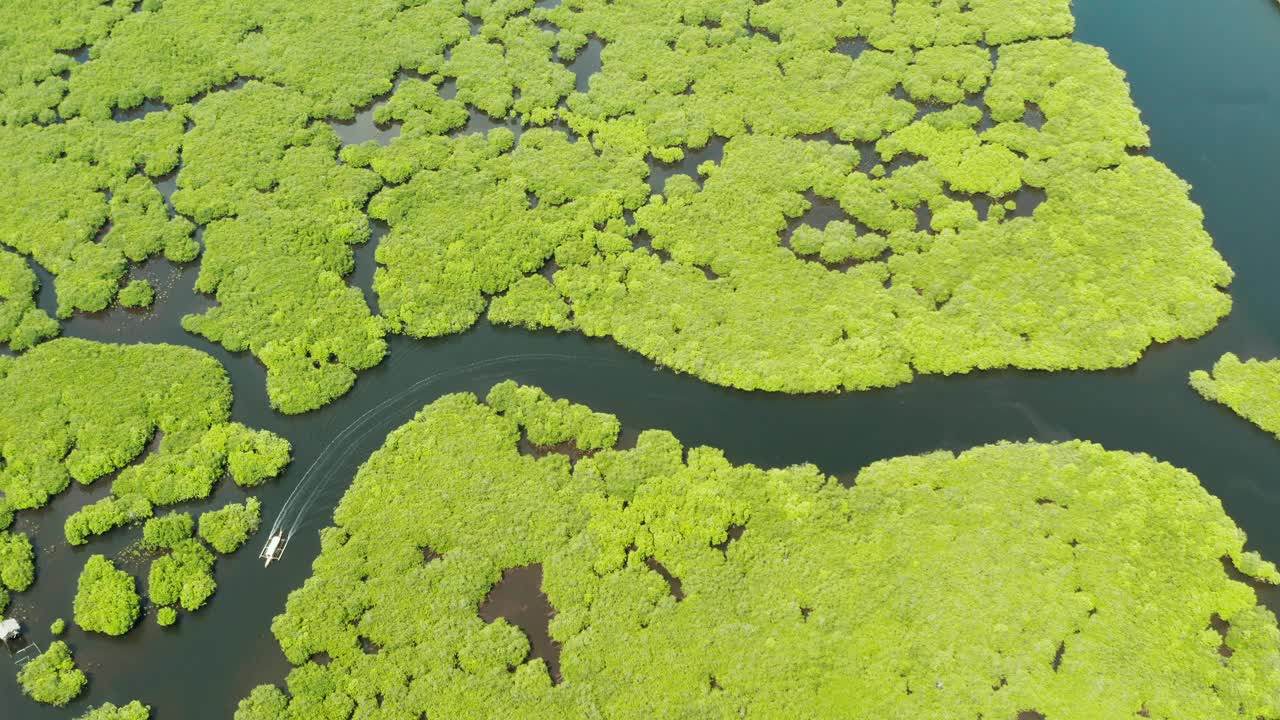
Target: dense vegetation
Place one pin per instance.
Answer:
(17, 565)
(182, 578)
(228, 528)
(53, 678)
(106, 598)
(1251, 389)
(137, 294)
(282, 216)
(183, 573)
(165, 531)
(1061, 579)
(22, 324)
(75, 409)
(106, 514)
(133, 711)
(885, 187)
(79, 197)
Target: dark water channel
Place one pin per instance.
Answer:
(1204, 75)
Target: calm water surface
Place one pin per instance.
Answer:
(1205, 76)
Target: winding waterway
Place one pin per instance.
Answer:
(1206, 78)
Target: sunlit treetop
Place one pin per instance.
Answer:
(17, 565)
(1251, 389)
(1060, 579)
(52, 678)
(106, 598)
(108, 711)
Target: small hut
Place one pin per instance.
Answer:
(22, 650)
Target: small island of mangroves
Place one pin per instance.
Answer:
(1010, 580)
(1250, 388)
(792, 195)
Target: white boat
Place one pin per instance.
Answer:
(274, 549)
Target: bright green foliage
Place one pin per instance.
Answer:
(947, 74)
(183, 577)
(36, 39)
(164, 533)
(137, 294)
(1061, 579)
(971, 294)
(77, 409)
(106, 598)
(53, 678)
(533, 302)
(133, 711)
(17, 561)
(550, 422)
(106, 514)
(72, 408)
(266, 702)
(284, 216)
(254, 456)
(58, 627)
(728, 295)
(338, 55)
(1251, 389)
(939, 264)
(22, 324)
(166, 616)
(227, 529)
(63, 183)
(463, 227)
(249, 456)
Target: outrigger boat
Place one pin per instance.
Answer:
(274, 549)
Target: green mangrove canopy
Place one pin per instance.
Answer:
(53, 678)
(1061, 579)
(1251, 389)
(787, 195)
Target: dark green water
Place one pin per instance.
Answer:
(1207, 78)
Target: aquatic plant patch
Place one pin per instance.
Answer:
(787, 195)
(53, 678)
(137, 294)
(1058, 579)
(228, 528)
(106, 598)
(1251, 389)
(107, 711)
